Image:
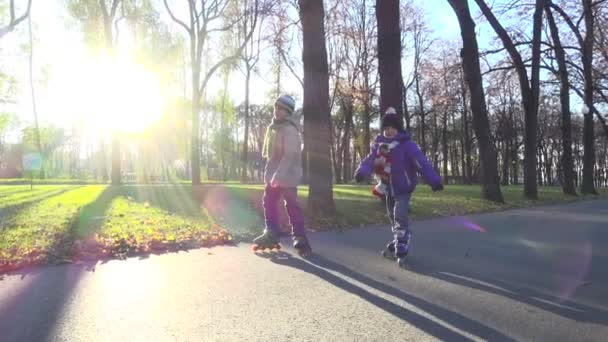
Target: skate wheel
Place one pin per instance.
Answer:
(387, 254)
(304, 253)
(401, 262)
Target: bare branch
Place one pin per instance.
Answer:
(289, 67)
(237, 53)
(15, 21)
(593, 109)
(568, 20)
(491, 70)
(175, 19)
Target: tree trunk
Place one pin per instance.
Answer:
(317, 117)
(531, 190)
(195, 144)
(33, 95)
(470, 56)
(529, 90)
(246, 134)
(454, 150)
(366, 101)
(539, 162)
(406, 112)
(444, 143)
(109, 42)
(422, 124)
(588, 186)
(564, 94)
(389, 55)
(435, 142)
(348, 124)
(466, 145)
(505, 163)
(366, 129)
(336, 153)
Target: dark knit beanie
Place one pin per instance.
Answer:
(391, 119)
(287, 102)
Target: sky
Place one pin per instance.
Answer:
(60, 46)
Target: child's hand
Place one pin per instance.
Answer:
(438, 187)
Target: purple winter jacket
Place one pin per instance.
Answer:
(406, 161)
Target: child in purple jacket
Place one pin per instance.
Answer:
(407, 160)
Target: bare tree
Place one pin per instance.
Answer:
(472, 70)
(249, 58)
(205, 19)
(566, 126)
(529, 87)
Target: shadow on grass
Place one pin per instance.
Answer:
(173, 199)
(321, 267)
(27, 201)
(232, 208)
(91, 217)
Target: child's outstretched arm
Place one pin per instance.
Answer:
(425, 168)
(364, 171)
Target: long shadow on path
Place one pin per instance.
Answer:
(318, 266)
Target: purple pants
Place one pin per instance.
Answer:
(272, 196)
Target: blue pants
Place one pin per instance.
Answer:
(398, 209)
(271, 199)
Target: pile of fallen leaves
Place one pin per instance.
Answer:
(104, 246)
(123, 245)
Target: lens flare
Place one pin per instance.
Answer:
(461, 221)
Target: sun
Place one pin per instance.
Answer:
(112, 94)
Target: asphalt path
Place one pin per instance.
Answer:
(528, 274)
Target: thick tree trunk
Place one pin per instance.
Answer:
(389, 55)
(472, 70)
(529, 90)
(564, 94)
(588, 186)
(316, 108)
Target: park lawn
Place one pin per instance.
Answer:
(356, 206)
(54, 223)
(49, 181)
(61, 223)
(36, 228)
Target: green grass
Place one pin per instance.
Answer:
(35, 228)
(54, 222)
(47, 181)
(356, 206)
